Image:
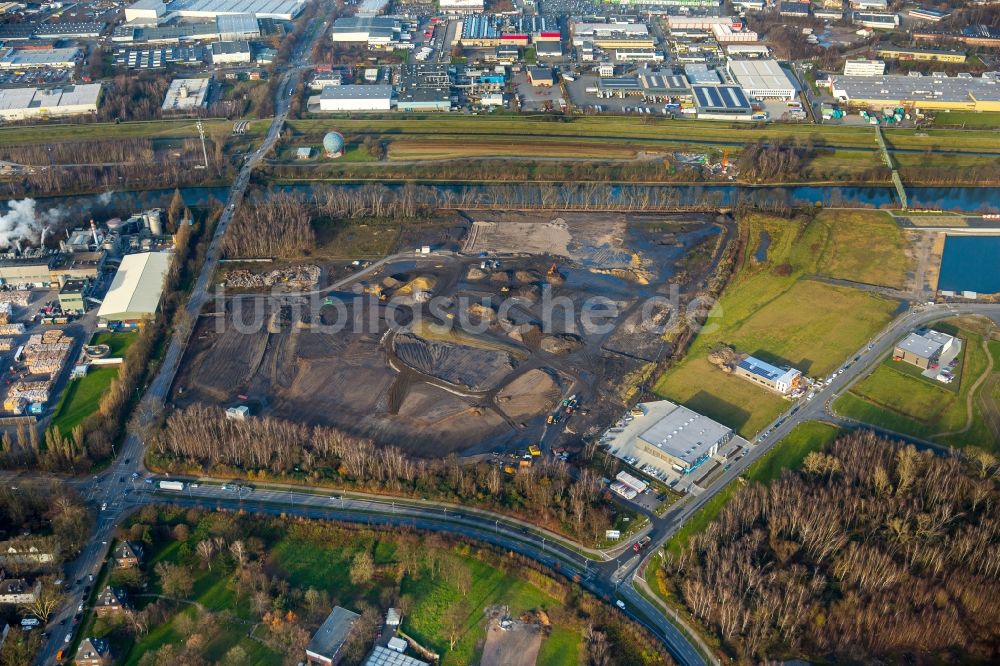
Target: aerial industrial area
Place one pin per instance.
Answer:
(499, 332)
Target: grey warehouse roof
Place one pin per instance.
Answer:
(763, 73)
(136, 288)
(684, 434)
(926, 345)
(356, 92)
(331, 635)
(917, 88)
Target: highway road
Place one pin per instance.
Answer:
(111, 489)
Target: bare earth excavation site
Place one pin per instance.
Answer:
(463, 348)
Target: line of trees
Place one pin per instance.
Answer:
(871, 551)
(774, 160)
(201, 438)
(81, 152)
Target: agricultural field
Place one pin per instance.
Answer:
(257, 602)
(774, 309)
(899, 399)
(439, 149)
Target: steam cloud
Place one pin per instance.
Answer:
(23, 221)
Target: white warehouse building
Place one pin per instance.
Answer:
(863, 67)
(73, 100)
(462, 6)
(762, 78)
(186, 94)
(356, 98)
(153, 12)
(663, 436)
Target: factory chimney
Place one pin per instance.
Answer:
(93, 230)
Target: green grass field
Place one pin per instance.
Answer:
(786, 454)
(968, 119)
(119, 342)
(303, 562)
(152, 129)
(81, 398)
(433, 597)
(884, 260)
(897, 398)
(771, 309)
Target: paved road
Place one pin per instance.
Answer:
(112, 488)
(598, 577)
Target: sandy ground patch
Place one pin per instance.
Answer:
(517, 646)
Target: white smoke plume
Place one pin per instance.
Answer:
(105, 198)
(23, 221)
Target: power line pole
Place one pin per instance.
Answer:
(201, 132)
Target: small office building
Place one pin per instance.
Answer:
(923, 349)
(779, 380)
(72, 294)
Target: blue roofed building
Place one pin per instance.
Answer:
(779, 380)
(722, 103)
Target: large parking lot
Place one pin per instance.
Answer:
(19, 77)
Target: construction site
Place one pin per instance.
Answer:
(488, 348)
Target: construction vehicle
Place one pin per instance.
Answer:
(553, 270)
(534, 450)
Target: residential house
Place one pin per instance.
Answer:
(15, 591)
(93, 652)
(108, 602)
(128, 555)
